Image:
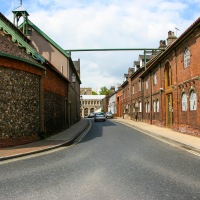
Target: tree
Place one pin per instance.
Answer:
(94, 93)
(104, 91)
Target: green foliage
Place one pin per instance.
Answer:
(104, 90)
(94, 93)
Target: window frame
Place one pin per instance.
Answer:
(184, 102)
(193, 102)
(186, 58)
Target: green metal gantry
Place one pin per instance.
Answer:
(146, 50)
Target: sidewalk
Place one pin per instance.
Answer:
(63, 138)
(191, 143)
(67, 137)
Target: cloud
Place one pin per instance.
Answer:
(108, 24)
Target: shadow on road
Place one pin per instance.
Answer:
(97, 129)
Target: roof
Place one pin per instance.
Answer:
(20, 9)
(19, 38)
(93, 97)
(172, 46)
(147, 56)
(137, 62)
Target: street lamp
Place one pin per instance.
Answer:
(73, 78)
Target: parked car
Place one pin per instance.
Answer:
(109, 115)
(91, 115)
(99, 116)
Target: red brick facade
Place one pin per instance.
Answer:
(170, 86)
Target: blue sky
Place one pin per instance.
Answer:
(80, 24)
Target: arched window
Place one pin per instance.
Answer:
(193, 100)
(184, 102)
(187, 58)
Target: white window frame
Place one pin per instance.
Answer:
(61, 69)
(140, 85)
(186, 58)
(140, 106)
(184, 102)
(154, 106)
(133, 88)
(155, 79)
(157, 106)
(147, 84)
(193, 100)
(148, 107)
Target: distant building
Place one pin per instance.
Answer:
(86, 91)
(91, 103)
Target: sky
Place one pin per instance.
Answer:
(107, 24)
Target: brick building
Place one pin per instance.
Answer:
(33, 92)
(166, 91)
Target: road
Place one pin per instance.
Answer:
(112, 162)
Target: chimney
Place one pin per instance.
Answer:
(112, 89)
(171, 38)
(162, 44)
(130, 71)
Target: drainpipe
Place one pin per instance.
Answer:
(145, 59)
(142, 96)
(151, 97)
(177, 110)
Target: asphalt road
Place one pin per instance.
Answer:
(112, 162)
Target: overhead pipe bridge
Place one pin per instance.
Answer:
(146, 50)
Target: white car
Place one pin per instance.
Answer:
(109, 115)
(99, 116)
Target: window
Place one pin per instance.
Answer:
(140, 106)
(157, 106)
(154, 106)
(187, 58)
(147, 84)
(148, 107)
(184, 102)
(61, 69)
(155, 79)
(193, 100)
(139, 85)
(133, 89)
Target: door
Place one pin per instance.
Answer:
(169, 111)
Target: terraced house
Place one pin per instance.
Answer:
(167, 91)
(40, 86)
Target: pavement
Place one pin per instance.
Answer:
(67, 137)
